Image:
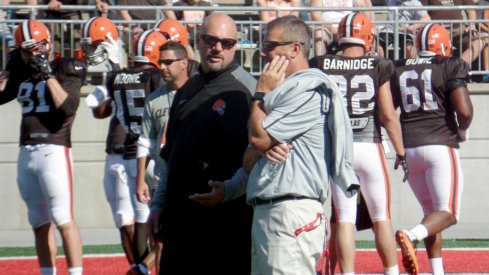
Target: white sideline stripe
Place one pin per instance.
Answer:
(62, 256)
(444, 249)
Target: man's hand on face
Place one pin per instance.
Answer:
(273, 74)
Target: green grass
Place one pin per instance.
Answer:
(115, 248)
(89, 249)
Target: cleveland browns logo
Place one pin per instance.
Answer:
(219, 106)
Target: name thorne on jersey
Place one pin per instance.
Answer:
(349, 64)
(128, 78)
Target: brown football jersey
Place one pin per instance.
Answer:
(419, 87)
(129, 89)
(115, 137)
(42, 122)
(359, 80)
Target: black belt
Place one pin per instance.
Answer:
(258, 201)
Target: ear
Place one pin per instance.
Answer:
(296, 50)
(185, 63)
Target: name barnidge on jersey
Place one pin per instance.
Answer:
(348, 64)
(417, 61)
(123, 78)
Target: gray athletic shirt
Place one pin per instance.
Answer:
(306, 111)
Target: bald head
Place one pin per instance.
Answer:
(217, 42)
(219, 21)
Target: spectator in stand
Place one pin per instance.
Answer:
(103, 6)
(465, 37)
(149, 14)
(484, 32)
(6, 37)
(406, 30)
(192, 17)
(325, 36)
(55, 11)
(269, 15)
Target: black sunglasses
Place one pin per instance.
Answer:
(268, 46)
(168, 62)
(210, 40)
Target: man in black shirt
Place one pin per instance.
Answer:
(206, 139)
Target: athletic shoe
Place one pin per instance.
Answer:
(134, 271)
(408, 251)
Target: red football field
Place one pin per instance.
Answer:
(455, 261)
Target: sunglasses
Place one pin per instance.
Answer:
(268, 46)
(227, 43)
(168, 62)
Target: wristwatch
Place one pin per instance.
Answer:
(258, 96)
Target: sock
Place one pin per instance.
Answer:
(393, 270)
(410, 234)
(48, 270)
(437, 266)
(420, 232)
(75, 270)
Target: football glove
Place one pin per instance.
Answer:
(401, 160)
(41, 64)
(95, 98)
(112, 48)
(463, 135)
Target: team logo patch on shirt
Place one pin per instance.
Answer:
(219, 106)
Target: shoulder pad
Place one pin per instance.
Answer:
(65, 67)
(14, 61)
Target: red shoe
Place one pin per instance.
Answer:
(409, 260)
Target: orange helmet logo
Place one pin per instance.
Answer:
(147, 48)
(31, 32)
(434, 39)
(96, 29)
(356, 28)
(173, 30)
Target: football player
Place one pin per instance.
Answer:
(48, 93)
(175, 31)
(128, 89)
(436, 112)
(100, 46)
(364, 82)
